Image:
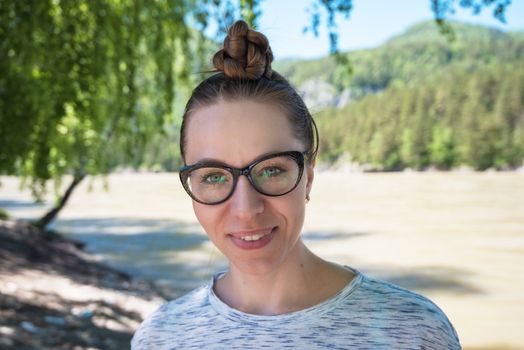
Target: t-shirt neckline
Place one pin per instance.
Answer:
(236, 315)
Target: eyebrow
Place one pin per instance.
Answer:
(214, 161)
(209, 161)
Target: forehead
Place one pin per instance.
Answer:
(238, 132)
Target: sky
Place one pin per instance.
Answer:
(371, 23)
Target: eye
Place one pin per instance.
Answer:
(271, 172)
(214, 178)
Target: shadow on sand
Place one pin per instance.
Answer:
(172, 254)
(314, 236)
(427, 279)
(15, 204)
(169, 253)
(35, 326)
(421, 279)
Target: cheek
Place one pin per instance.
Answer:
(293, 206)
(207, 216)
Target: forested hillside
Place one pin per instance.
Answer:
(419, 100)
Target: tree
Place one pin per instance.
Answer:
(441, 148)
(509, 112)
(86, 85)
(467, 110)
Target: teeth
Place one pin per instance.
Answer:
(252, 238)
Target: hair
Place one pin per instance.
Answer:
(243, 71)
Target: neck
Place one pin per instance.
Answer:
(303, 280)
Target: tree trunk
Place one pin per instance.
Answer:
(51, 214)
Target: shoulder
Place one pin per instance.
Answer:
(188, 303)
(411, 313)
(395, 299)
(172, 315)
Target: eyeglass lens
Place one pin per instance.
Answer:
(273, 176)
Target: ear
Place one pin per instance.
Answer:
(309, 169)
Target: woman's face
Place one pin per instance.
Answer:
(257, 233)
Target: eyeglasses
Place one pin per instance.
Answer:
(272, 175)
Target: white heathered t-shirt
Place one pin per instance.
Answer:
(366, 314)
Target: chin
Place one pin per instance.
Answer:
(269, 262)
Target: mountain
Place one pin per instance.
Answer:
(420, 101)
(419, 54)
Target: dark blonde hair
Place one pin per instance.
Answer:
(243, 71)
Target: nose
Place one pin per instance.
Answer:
(246, 202)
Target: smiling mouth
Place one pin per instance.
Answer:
(252, 236)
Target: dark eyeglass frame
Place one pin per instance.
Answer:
(184, 172)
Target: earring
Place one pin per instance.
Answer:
(307, 198)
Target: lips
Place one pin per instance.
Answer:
(252, 239)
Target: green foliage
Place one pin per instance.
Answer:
(442, 147)
(456, 117)
(419, 101)
(85, 85)
(249, 11)
(3, 214)
(409, 59)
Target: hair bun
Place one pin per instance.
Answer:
(246, 53)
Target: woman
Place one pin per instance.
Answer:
(250, 145)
